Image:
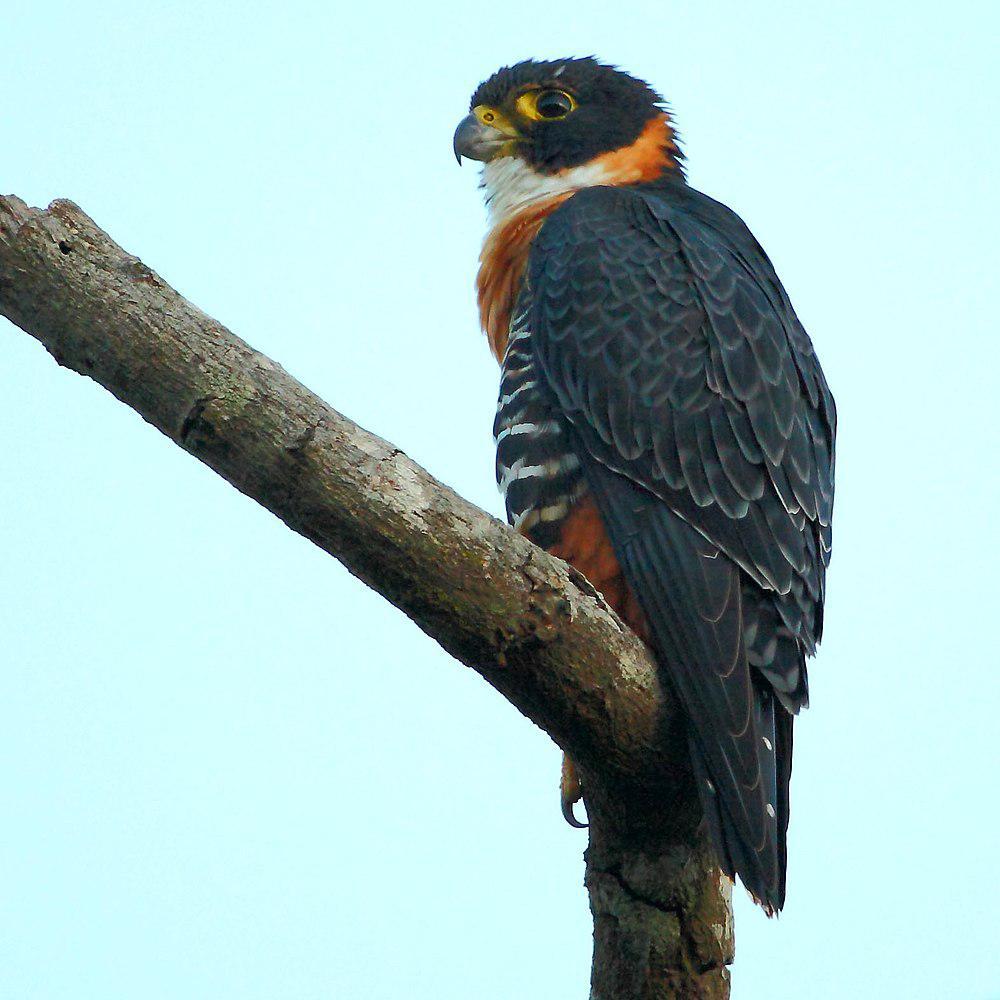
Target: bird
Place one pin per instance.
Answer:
(663, 422)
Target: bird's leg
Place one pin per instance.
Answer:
(570, 792)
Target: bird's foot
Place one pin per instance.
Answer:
(570, 792)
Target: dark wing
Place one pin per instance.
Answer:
(707, 429)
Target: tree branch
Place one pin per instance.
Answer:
(529, 624)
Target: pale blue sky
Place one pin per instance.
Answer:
(229, 770)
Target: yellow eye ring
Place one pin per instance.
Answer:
(545, 105)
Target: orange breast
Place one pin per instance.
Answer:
(583, 541)
(501, 266)
(585, 545)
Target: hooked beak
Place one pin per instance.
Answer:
(476, 140)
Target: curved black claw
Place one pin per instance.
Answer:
(569, 815)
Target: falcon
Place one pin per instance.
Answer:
(663, 423)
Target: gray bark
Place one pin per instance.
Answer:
(529, 624)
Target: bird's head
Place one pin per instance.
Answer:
(566, 124)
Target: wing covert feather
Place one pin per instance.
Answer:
(707, 433)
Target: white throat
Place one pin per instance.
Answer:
(511, 185)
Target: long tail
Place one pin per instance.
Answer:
(763, 870)
(692, 597)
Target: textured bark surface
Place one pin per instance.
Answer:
(530, 625)
(663, 922)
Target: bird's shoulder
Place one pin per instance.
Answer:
(689, 250)
(671, 346)
(665, 207)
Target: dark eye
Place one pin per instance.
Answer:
(553, 104)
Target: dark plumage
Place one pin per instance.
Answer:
(613, 109)
(656, 365)
(707, 431)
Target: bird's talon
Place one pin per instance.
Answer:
(570, 792)
(570, 816)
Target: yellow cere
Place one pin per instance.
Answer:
(495, 119)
